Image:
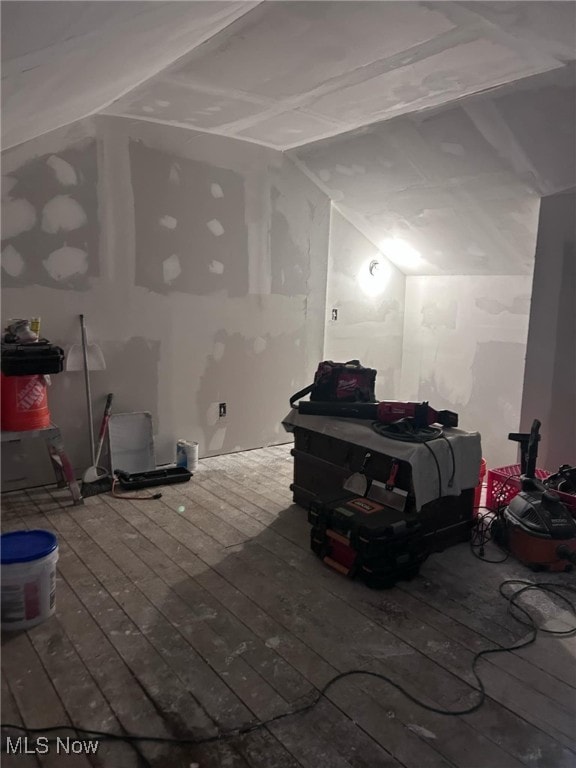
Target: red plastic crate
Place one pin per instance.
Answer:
(504, 484)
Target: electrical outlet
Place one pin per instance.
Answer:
(334, 314)
(222, 410)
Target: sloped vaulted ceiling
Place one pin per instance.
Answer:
(460, 184)
(62, 61)
(444, 121)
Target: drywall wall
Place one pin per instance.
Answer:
(364, 311)
(204, 283)
(550, 376)
(464, 349)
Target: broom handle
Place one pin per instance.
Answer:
(103, 426)
(88, 391)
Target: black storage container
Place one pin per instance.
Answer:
(364, 539)
(134, 481)
(32, 358)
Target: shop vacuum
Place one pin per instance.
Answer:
(536, 527)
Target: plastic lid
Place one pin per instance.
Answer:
(23, 546)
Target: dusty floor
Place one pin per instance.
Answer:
(206, 610)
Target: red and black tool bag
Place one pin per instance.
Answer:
(341, 383)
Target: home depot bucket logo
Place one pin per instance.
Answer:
(31, 396)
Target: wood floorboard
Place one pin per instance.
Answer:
(533, 705)
(276, 635)
(36, 697)
(452, 653)
(11, 714)
(273, 638)
(557, 689)
(205, 610)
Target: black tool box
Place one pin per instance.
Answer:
(135, 481)
(32, 358)
(363, 539)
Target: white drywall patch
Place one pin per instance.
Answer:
(169, 222)
(452, 149)
(65, 173)
(216, 190)
(62, 213)
(8, 183)
(66, 262)
(217, 440)
(171, 268)
(147, 108)
(162, 103)
(215, 227)
(218, 352)
(17, 216)
(216, 267)
(259, 344)
(344, 170)
(12, 261)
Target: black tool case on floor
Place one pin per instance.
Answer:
(32, 358)
(135, 481)
(322, 463)
(363, 539)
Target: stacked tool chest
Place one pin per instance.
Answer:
(363, 538)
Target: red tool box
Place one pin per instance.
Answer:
(363, 539)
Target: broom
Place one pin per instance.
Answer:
(97, 479)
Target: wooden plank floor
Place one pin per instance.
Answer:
(205, 610)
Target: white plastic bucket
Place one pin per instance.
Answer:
(187, 455)
(28, 588)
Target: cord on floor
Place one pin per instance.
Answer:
(514, 609)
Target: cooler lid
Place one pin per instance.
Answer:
(24, 546)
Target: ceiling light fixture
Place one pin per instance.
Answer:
(374, 276)
(374, 267)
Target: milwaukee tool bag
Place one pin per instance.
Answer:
(340, 383)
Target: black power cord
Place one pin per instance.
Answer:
(406, 431)
(482, 533)
(525, 618)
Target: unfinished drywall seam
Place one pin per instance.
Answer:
(188, 127)
(246, 7)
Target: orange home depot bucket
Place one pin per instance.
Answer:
(478, 491)
(24, 403)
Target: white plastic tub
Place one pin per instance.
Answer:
(28, 587)
(187, 455)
